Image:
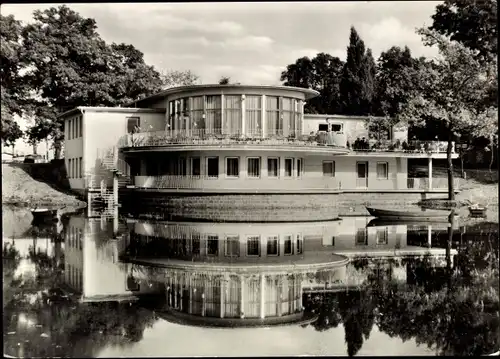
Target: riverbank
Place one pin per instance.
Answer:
(20, 189)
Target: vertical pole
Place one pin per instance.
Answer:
(242, 296)
(222, 117)
(429, 236)
(89, 203)
(243, 117)
(263, 117)
(430, 172)
(222, 295)
(262, 296)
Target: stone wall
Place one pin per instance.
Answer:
(261, 207)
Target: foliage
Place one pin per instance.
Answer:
(452, 90)
(322, 74)
(357, 85)
(224, 80)
(13, 89)
(174, 78)
(472, 23)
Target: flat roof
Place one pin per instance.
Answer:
(111, 109)
(314, 116)
(309, 93)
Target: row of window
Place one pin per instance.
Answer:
(232, 245)
(205, 112)
(291, 167)
(74, 128)
(75, 167)
(74, 276)
(74, 238)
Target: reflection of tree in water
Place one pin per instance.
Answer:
(449, 314)
(75, 329)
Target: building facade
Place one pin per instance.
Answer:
(235, 139)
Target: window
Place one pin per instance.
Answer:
(361, 237)
(197, 116)
(196, 243)
(253, 116)
(213, 167)
(253, 245)
(299, 167)
(382, 170)
(232, 246)
(273, 116)
(328, 168)
(232, 167)
(195, 166)
(81, 167)
(213, 118)
(299, 244)
(81, 126)
(288, 167)
(272, 246)
(182, 166)
(133, 124)
(288, 250)
(337, 127)
(273, 167)
(253, 168)
(69, 168)
(212, 245)
(323, 127)
(382, 235)
(232, 115)
(288, 116)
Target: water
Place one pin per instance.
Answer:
(108, 287)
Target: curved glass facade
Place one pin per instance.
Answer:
(258, 116)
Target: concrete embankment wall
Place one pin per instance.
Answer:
(264, 207)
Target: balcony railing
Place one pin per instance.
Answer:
(217, 183)
(216, 137)
(437, 183)
(414, 146)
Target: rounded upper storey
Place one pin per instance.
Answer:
(214, 89)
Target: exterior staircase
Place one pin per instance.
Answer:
(117, 166)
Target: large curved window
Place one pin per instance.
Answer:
(213, 123)
(253, 116)
(288, 115)
(197, 118)
(232, 115)
(273, 118)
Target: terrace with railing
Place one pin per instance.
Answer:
(217, 137)
(208, 183)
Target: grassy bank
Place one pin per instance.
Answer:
(20, 188)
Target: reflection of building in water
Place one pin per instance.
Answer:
(91, 261)
(278, 242)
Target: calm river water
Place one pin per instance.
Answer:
(109, 286)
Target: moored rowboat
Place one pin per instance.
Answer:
(428, 215)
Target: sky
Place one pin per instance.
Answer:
(249, 42)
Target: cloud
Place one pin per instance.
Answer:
(247, 43)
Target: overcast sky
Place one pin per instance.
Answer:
(250, 42)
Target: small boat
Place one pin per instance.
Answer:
(378, 222)
(428, 215)
(43, 213)
(477, 210)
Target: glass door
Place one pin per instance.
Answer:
(362, 174)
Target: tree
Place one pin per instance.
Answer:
(84, 72)
(452, 91)
(224, 80)
(322, 74)
(472, 23)
(174, 78)
(357, 83)
(13, 90)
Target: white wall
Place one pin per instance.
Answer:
(103, 130)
